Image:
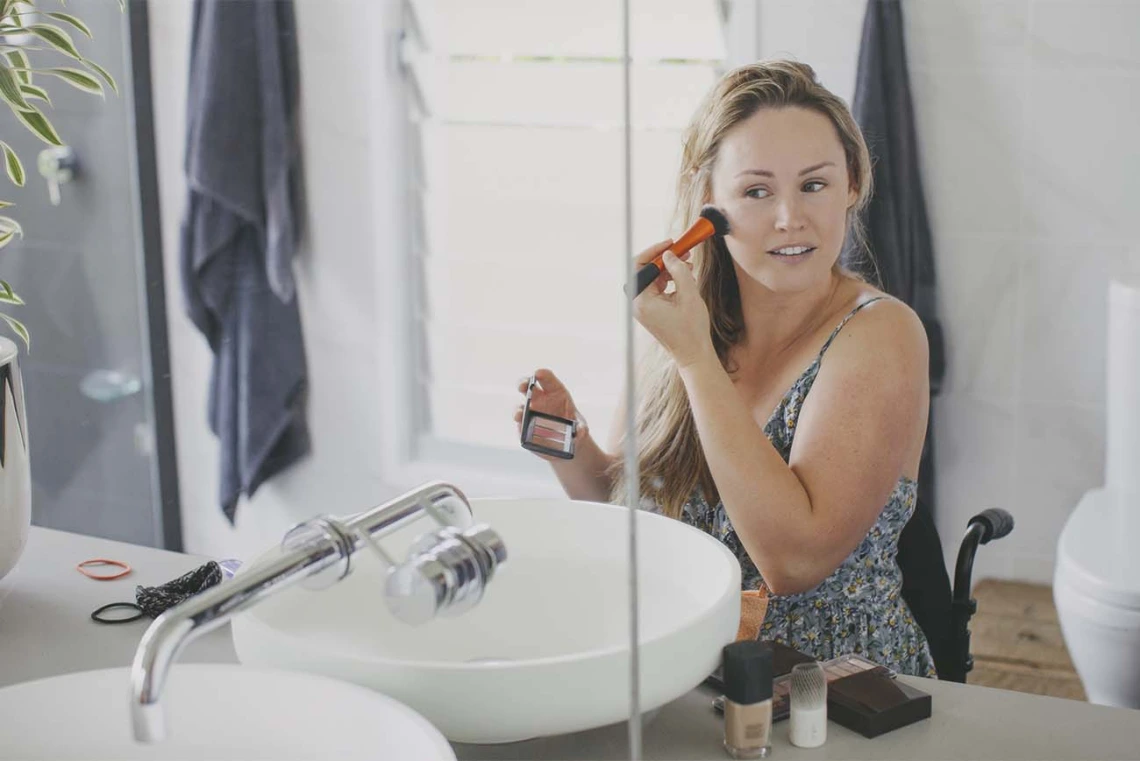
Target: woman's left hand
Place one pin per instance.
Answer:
(679, 320)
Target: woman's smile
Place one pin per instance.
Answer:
(793, 253)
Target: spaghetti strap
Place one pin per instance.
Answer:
(850, 314)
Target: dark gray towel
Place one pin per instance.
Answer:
(240, 232)
(897, 225)
(899, 235)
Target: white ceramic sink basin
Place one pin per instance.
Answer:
(546, 651)
(213, 711)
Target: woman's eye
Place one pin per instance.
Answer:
(814, 186)
(757, 193)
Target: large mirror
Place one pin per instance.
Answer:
(448, 207)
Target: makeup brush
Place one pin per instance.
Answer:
(712, 221)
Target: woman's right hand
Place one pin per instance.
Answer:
(551, 397)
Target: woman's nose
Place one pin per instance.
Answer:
(788, 216)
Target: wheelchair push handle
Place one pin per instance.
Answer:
(995, 524)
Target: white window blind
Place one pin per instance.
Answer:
(518, 196)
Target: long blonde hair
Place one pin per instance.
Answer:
(671, 460)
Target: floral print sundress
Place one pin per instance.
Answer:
(859, 608)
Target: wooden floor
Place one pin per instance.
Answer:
(1016, 641)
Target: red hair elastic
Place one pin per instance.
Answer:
(82, 568)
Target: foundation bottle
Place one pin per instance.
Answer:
(747, 699)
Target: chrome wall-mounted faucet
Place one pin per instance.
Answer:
(445, 573)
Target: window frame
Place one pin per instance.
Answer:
(410, 456)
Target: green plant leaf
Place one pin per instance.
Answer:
(6, 204)
(21, 65)
(9, 224)
(67, 18)
(10, 89)
(19, 329)
(13, 165)
(103, 73)
(76, 78)
(8, 296)
(7, 237)
(32, 91)
(57, 38)
(39, 126)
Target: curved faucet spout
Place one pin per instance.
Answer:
(148, 675)
(177, 627)
(324, 544)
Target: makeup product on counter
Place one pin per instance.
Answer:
(747, 699)
(712, 221)
(807, 718)
(837, 668)
(784, 658)
(871, 703)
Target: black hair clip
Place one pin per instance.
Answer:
(547, 434)
(152, 601)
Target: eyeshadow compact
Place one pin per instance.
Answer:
(544, 433)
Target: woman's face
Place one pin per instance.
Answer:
(781, 178)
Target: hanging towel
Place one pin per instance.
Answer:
(897, 225)
(898, 232)
(240, 233)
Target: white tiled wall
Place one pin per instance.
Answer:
(1027, 112)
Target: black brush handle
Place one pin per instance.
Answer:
(645, 276)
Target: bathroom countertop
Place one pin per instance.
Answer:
(45, 607)
(45, 630)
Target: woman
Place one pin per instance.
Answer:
(785, 407)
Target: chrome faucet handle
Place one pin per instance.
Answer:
(490, 546)
(442, 502)
(445, 574)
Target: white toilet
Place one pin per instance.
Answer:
(1096, 581)
(1096, 587)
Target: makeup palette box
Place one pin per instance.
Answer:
(871, 703)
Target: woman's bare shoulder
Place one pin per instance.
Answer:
(890, 311)
(885, 332)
